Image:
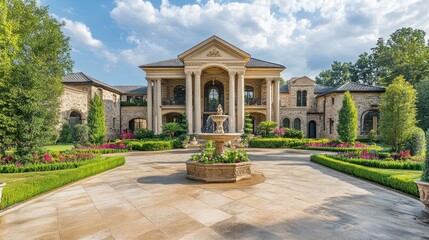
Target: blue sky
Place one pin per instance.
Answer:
(111, 38)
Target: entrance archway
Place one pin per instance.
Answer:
(75, 118)
(213, 96)
(312, 129)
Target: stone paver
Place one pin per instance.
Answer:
(150, 198)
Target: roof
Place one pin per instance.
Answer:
(353, 87)
(318, 89)
(176, 63)
(82, 78)
(132, 89)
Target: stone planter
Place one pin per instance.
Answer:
(424, 193)
(2, 184)
(218, 173)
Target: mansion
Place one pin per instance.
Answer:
(216, 72)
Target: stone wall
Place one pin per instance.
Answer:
(129, 113)
(73, 99)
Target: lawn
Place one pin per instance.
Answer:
(60, 147)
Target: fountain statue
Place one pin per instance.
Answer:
(219, 137)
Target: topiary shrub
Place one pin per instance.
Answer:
(81, 135)
(347, 120)
(144, 134)
(293, 133)
(66, 134)
(416, 143)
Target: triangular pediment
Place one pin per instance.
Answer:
(214, 49)
(303, 81)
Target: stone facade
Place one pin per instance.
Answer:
(73, 99)
(129, 113)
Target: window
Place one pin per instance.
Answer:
(114, 123)
(370, 122)
(213, 95)
(249, 95)
(115, 99)
(297, 124)
(301, 98)
(286, 123)
(333, 101)
(331, 126)
(75, 118)
(179, 95)
(137, 123)
(213, 98)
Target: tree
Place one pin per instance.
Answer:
(171, 128)
(265, 127)
(423, 104)
(397, 113)
(66, 134)
(348, 120)
(404, 53)
(96, 121)
(184, 124)
(425, 167)
(35, 56)
(339, 73)
(248, 125)
(363, 71)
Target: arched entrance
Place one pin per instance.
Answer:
(137, 123)
(75, 118)
(213, 96)
(312, 129)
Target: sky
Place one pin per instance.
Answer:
(111, 38)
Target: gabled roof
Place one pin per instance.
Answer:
(354, 87)
(82, 78)
(214, 39)
(318, 89)
(176, 63)
(132, 89)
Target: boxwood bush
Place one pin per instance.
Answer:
(372, 174)
(417, 142)
(100, 151)
(19, 191)
(294, 133)
(283, 142)
(41, 167)
(152, 145)
(388, 164)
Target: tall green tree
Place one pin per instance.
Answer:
(37, 57)
(363, 70)
(405, 53)
(423, 104)
(348, 120)
(96, 120)
(397, 113)
(339, 73)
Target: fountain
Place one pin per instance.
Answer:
(219, 137)
(218, 172)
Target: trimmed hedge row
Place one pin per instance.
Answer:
(406, 165)
(20, 191)
(332, 149)
(41, 167)
(150, 145)
(283, 142)
(371, 174)
(101, 151)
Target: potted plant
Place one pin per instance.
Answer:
(423, 183)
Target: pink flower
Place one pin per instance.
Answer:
(47, 157)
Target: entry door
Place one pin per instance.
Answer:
(312, 129)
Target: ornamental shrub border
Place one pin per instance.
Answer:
(371, 174)
(386, 164)
(332, 149)
(150, 145)
(283, 142)
(100, 151)
(20, 191)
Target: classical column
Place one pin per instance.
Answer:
(158, 106)
(155, 108)
(269, 100)
(149, 104)
(240, 102)
(231, 110)
(276, 101)
(197, 102)
(188, 110)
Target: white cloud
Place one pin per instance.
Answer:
(304, 35)
(81, 36)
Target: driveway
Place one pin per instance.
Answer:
(149, 197)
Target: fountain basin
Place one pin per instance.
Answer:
(219, 139)
(219, 172)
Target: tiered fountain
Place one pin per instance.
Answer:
(220, 172)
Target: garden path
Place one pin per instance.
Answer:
(150, 198)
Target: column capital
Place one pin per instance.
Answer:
(232, 73)
(188, 73)
(197, 73)
(240, 73)
(150, 79)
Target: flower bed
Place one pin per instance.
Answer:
(334, 146)
(371, 160)
(104, 148)
(207, 156)
(283, 142)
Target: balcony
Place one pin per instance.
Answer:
(255, 102)
(173, 102)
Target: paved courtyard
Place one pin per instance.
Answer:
(150, 198)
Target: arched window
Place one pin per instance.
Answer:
(213, 95)
(301, 98)
(249, 95)
(213, 98)
(297, 124)
(75, 118)
(286, 123)
(137, 123)
(370, 121)
(179, 95)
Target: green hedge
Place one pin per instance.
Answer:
(150, 145)
(380, 176)
(41, 167)
(19, 191)
(283, 142)
(101, 151)
(332, 149)
(387, 164)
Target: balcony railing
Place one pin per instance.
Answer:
(255, 101)
(134, 103)
(172, 101)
